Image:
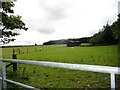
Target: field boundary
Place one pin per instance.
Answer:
(93, 68)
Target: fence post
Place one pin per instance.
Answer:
(27, 50)
(19, 50)
(14, 56)
(112, 81)
(4, 84)
(35, 48)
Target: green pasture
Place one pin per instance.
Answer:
(47, 77)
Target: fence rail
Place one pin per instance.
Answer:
(93, 68)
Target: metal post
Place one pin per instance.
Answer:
(112, 81)
(4, 84)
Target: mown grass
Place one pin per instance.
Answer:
(46, 77)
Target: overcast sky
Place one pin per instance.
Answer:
(63, 19)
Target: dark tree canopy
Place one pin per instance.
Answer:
(110, 34)
(9, 21)
(116, 28)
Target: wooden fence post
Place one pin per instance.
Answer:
(19, 50)
(35, 49)
(14, 56)
(27, 50)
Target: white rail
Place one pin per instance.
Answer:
(84, 67)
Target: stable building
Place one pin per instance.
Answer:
(73, 43)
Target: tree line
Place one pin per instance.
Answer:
(65, 41)
(109, 34)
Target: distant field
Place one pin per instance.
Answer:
(46, 77)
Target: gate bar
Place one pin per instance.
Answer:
(4, 84)
(20, 84)
(84, 67)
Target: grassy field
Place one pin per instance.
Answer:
(46, 77)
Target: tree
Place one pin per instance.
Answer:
(110, 34)
(10, 22)
(116, 28)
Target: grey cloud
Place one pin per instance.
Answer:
(55, 13)
(52, 14)
(46, 31)
(39, 26)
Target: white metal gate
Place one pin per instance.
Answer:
(93, 68)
